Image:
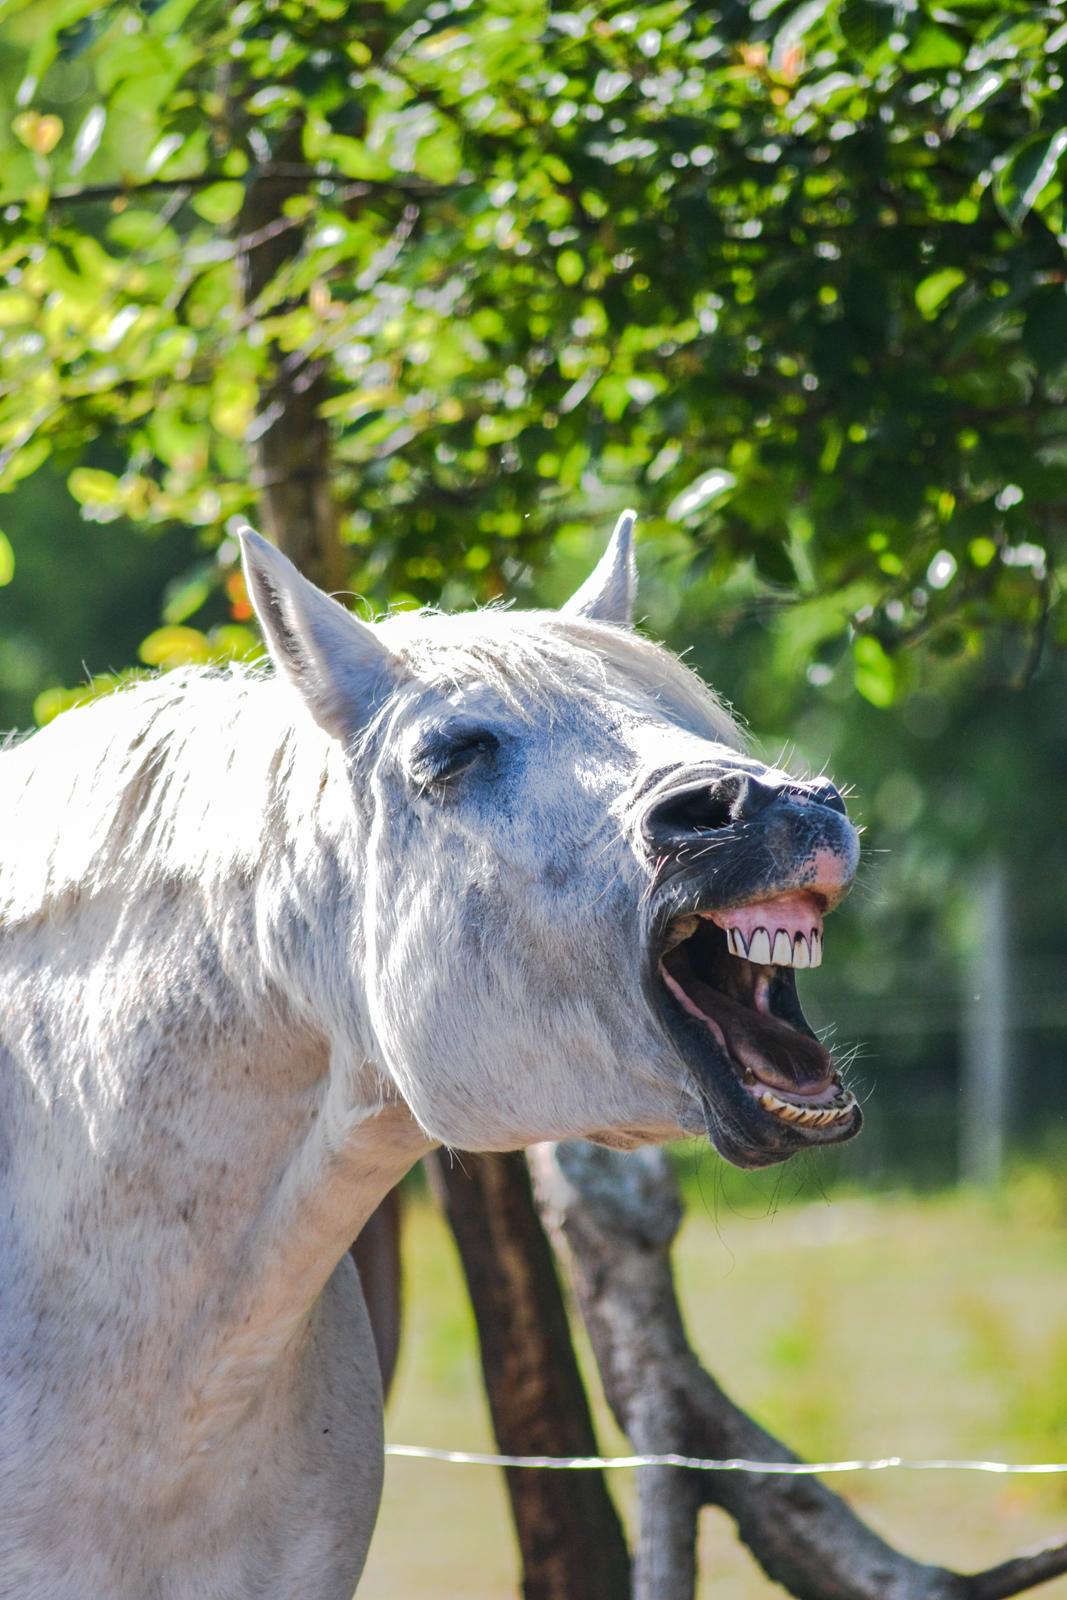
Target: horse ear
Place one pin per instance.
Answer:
(337, 664)
(609, 592)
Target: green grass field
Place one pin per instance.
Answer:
(853, 1327)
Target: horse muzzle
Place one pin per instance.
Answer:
(747, 862)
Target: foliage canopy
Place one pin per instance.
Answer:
(790, 277)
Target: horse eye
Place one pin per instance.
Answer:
(466, 751)
(451, 756)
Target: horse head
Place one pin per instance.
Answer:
(581, 903)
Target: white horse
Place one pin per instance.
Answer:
(264, 940)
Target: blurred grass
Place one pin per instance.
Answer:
(863, 1326)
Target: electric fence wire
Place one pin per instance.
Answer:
(788, 1469)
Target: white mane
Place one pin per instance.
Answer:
(175, 776)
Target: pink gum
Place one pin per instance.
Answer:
(798, 912)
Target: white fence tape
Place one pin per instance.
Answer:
(784, 1469)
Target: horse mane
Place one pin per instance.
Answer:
(199, 772)
(168, 777)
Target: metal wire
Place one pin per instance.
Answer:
(783, 1469)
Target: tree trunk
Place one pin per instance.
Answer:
(568, 1530)
(376, 1253)
(291, 449)
(291, 445)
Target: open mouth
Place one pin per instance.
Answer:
(731, 972)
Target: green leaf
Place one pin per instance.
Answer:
(50, 702)
(275, 99)
(90, 486)
(802, 628)
(1020, 183)
(980, 89)
(234, 642)
(163, 151)
(174, 646)
(219, 202)
(23, 463)
(570, 266)
(136, 229)
(188, 594)
(874, 673)
(866, 24)
(7, 560)
(799, 25)
(170, 351)
(88, 137)
(933, 291)
(438, 156)
(933, 48)
(353, 157)
(233, 403)
(16, 307)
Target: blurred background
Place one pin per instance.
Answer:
(431, 292)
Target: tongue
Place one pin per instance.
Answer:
(780, 1056)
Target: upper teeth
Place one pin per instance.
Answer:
(784, 949)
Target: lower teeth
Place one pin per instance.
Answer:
(808, 1116)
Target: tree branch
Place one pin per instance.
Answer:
(1013, 1577)
(279, 172)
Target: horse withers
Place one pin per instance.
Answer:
(265, 939)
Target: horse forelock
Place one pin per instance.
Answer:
(540, 662)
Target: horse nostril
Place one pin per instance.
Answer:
(697, 811)
(704, 808)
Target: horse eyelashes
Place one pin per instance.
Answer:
(465, 755)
